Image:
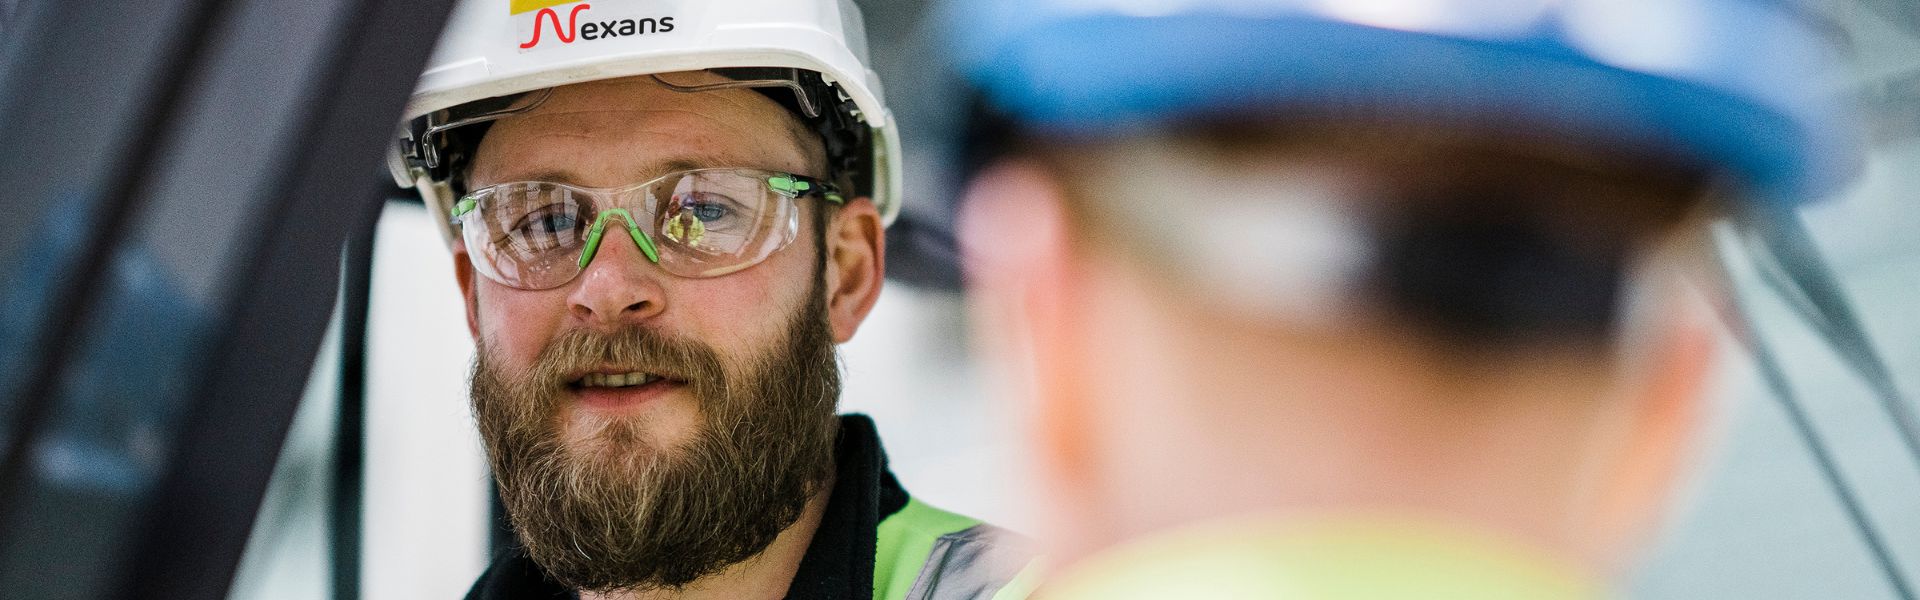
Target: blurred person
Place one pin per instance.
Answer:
(1367, 299)
(663, 218)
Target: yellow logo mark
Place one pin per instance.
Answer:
(515, 7)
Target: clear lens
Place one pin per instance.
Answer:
(713, 222)
(528, 235)
(705, 223)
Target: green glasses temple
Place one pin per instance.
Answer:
(791, 186)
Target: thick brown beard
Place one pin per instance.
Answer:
(614, 510)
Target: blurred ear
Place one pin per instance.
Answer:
(463, 274)
(1669, 409)
(1022, 283)
(856, 265)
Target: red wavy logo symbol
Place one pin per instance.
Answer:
(566, 35)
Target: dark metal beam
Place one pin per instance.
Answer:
(350, 429)
(281, 296)
(190, 170)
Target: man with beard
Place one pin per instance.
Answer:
(1369, 299)
(660, 239)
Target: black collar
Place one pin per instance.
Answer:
(838, 563)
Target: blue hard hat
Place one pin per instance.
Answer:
(1749, 87)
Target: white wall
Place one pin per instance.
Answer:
(425, 527)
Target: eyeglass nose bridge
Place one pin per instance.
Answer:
(640, 238)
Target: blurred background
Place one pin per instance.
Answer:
(380, 490)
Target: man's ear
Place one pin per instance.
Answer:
(463, 274)
(1669, 415)
(1024, 293)
(856, 245)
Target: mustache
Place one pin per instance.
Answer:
(575, 353)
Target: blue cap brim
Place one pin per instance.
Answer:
(1101, 74)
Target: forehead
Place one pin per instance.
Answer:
(619, 131)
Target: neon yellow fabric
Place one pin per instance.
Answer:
(905, 541)
(1343, 560)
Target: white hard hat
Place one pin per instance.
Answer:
(498, 49)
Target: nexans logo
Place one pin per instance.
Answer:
(534, 19)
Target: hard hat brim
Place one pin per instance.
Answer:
(1096, 74)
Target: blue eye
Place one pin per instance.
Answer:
(558, 222)
(712, 209)
(549, 220)
(709, 212)
(552, 227)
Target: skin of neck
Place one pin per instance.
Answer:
(1148, 409)
(766, 575)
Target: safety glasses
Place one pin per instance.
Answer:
(536, 235)
(1485, 246)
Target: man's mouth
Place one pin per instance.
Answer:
(617, 388)
(616, 380)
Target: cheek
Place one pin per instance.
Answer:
(740, 313)
(517, 324)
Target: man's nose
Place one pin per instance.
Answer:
(619, 284)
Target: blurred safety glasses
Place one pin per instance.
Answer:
(536, 235)
(1487, 249)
